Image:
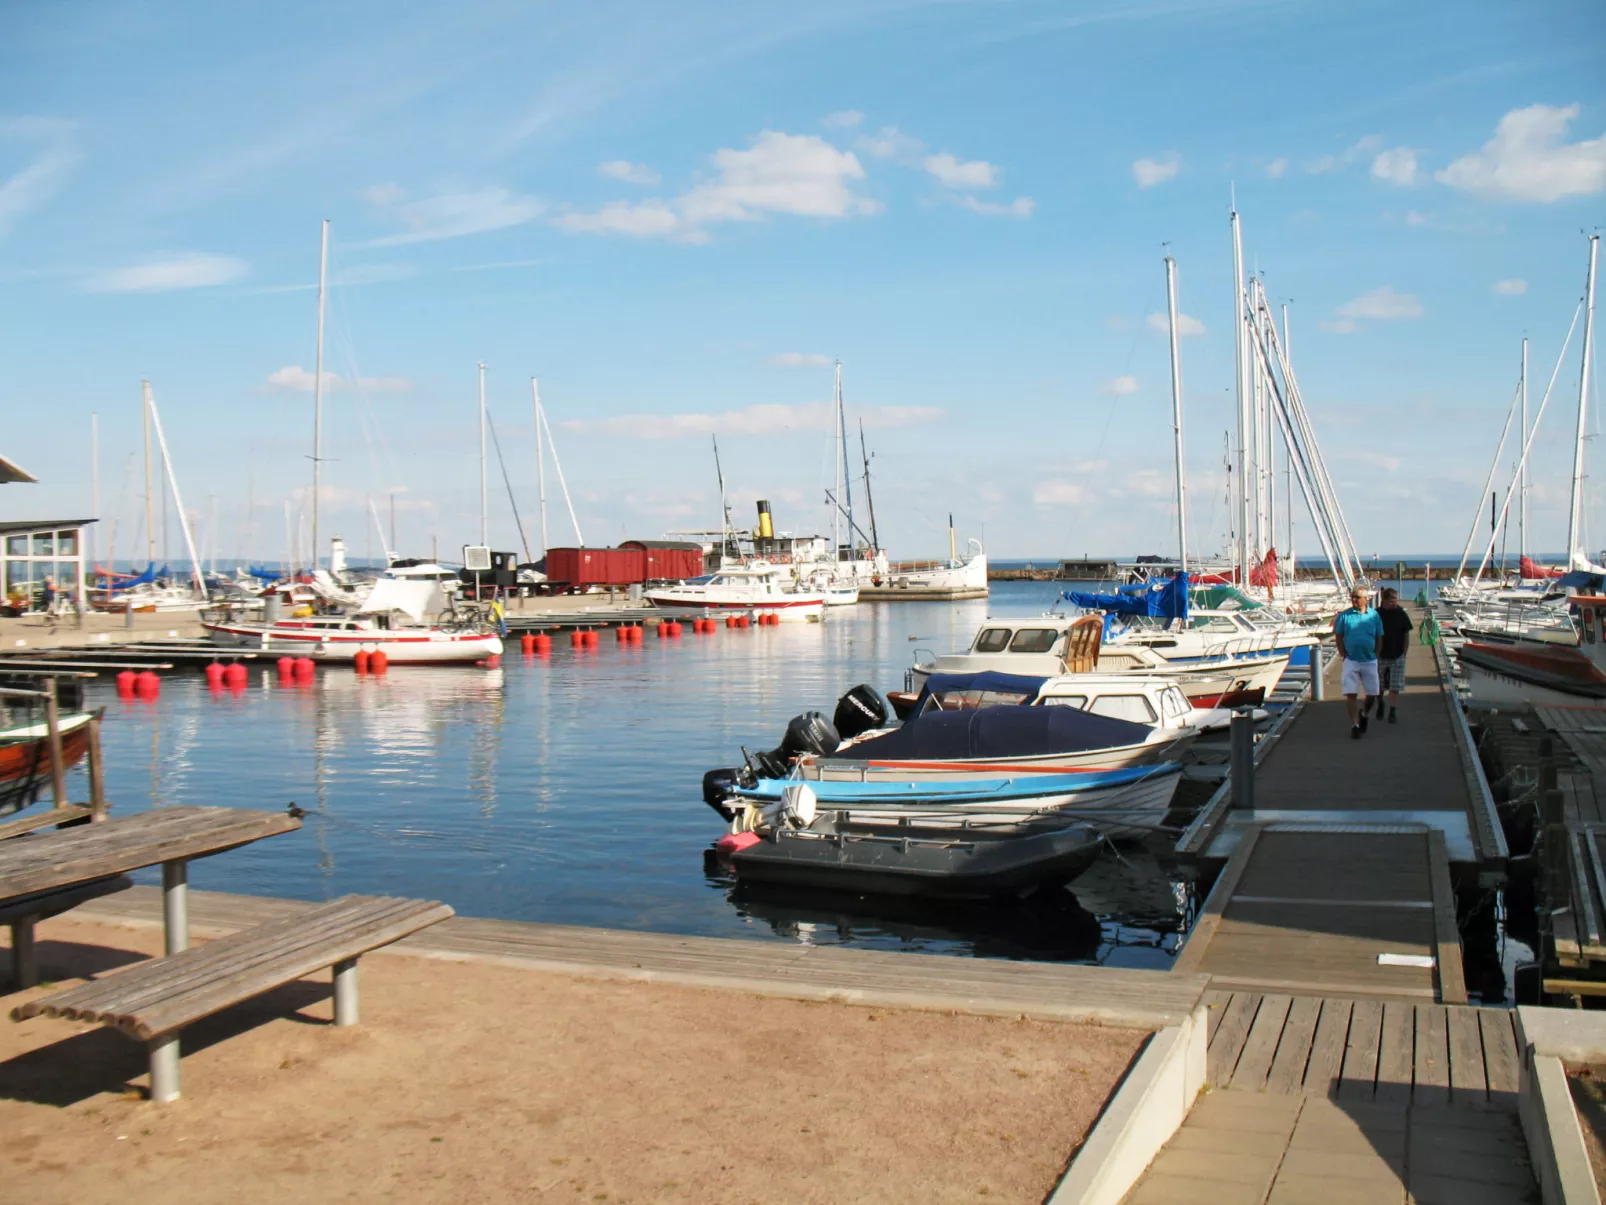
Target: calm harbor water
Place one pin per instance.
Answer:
(568, 789)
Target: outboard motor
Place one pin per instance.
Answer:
(860, 710)
(810, 732)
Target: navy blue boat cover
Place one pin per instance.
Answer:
(994, 732)
(1160, 600)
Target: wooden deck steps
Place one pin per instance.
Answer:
(1046, 991)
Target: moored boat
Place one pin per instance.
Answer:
(25, 761)
(758, 587)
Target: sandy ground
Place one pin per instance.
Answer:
(485, 1083)
(35, 631)
(1588, 1084)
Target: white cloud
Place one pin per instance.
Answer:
(799, 174)
(1060, 493)
(889, 142)
(956, 173)
(1276, 169)
(800, 359)
(1340, 326)
(1382, 304)
(1020, 207)
(1149, 172)
(1378, 460)
(1186, 324)
(1515, 287)
(450, 215)
(190, 270)
(1119, 386)
(1415, 218)
(33, 185)
(771, 419)
(1328, 163)
(1398, 166)
(299, 380)
(630, 173)
(1527, 161)
(842, 119)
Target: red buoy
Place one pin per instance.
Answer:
(214, 675)
(236, 675)
(360, 661)
(527, 643)
(148, 684)
(304, 669)
(744, 621)
(543, 644)
(635, 633)
(287, 667)
(494, 660)
(378, 663)
(622, 634)
(730, 621)
(125, 684)
(663, 628)
(593, 638)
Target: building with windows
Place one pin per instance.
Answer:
(43, 557)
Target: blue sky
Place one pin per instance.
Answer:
(676, 215)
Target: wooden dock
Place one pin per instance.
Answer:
(1341, 878)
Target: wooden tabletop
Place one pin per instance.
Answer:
(43, 862)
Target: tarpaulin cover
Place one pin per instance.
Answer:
(1579, 580)
(1224, 598)
(148, 576)
(995, 732)
(1158, 600)
(988, 680)
(1529, 568)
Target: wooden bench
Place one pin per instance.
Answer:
(152, 1001)
(22, 912)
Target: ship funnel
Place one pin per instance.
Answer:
(766, 526)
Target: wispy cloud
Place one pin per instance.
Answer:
(189, 270)
(449, 215)
(1369, 145)
(299, 380)
(750, 420)
(629, 173)
(952, 172)
(1149, 172)
(1381, 304)
(889, 142)
(1526, 159)
(1059, 492)
(843, 119)
(796, 174)
(1276, 169)
(1020, 207)
(33, 185)
(1186, 324)
(800, 359)
(1119, 386)
(1398, 165)
(1339, 326)
(1515, 287)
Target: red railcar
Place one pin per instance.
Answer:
(634, 562)
(669, 560)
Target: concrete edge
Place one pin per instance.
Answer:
(1550, 1121)
(1146, 1110)
(419, 946)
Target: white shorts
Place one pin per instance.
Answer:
(1360, 677)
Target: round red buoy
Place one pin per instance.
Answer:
(214, 675)
(287, 666)
(304, 669)
(125, 683)
(360, 661)
(494, 660)
(236, 674)
(743, 621)
(730, 621)
(592, 638)
(148, 684)
(527, 642)
(663, 628)
(543, 644)
(622, 634)
(577, 638)
(378, 662)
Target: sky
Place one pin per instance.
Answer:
(677, 216)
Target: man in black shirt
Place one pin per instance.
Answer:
(1396, 639)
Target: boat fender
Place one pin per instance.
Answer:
(734, 843)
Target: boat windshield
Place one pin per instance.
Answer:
(973, 700)
(1034, 640)
(993, 640)
(1262, 620)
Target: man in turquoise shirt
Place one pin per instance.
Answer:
(1358, 632)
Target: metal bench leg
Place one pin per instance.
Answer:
(345, 977)
(176, 906)
(164, 1067)
(24, 964)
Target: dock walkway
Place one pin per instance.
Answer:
(1339, 880)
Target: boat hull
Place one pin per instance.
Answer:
(787, 607)
(1538, 674)
(400, 648)
(25, 762)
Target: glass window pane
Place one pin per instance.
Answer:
(993, 640)
(44, 543)
(16, 545)
(1034, 640)
(1124, 707)
(67, 543)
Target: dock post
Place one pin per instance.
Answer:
(176, 906)
(128, 612)
(345, 985)
(1318, 673)
(58, 766)
(1242, 734)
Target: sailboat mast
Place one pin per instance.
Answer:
(1288, 457)
(150, 506)
(484, 497)
(317, 390)
(1176, 413)
(540, 459)
(869, 498)
(94, 496)
(842, 442)
(1240, 357)
(1575, 552)
(178, 502)
(836, 494)
(1522, 465)
(724, 510)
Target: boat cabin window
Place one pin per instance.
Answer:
(1175, 702)
(974, 700)
(1259, 619)
(993, 640)
(1124, 707)
(1076, 701)
(1034, 640)
(1214, 623)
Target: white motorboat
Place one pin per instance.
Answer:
(393, 620)
(957, 577)
(759, 587)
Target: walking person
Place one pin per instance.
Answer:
(1358, 632)
(1396, 639)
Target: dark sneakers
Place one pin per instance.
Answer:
(1394, 715)
(1355, 732)
(1362, 724)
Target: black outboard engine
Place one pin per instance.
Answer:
(860, 710)
(810, 732)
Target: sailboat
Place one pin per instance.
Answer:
(1544, 674)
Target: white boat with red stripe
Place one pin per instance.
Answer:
(758, 587)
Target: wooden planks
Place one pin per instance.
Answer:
(1107, 995)
(1389, 1052)
(76, 855)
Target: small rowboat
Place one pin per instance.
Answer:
(25, 757)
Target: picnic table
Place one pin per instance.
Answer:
(56, 864)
